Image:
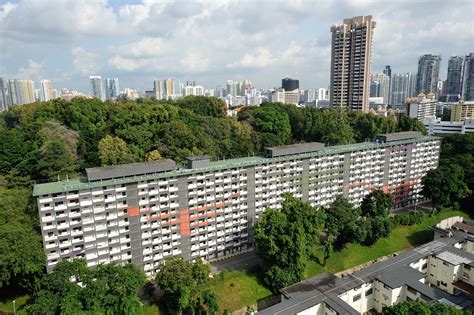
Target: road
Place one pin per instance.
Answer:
(243, 261)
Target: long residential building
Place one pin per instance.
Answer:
(145, 212)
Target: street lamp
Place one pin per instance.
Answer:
(14, 309)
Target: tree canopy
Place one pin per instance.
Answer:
(286, 239)
(183, 283)
(73, 288)
(420, 307)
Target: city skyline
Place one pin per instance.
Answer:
(263, 51)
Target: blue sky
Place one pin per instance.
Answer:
(212, 41)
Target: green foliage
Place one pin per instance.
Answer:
(445, 185)
(420, 307)
(73, 288)
(446, 116)
(113, 150)
(183, 284)
(342, 221)
(409, 218)
(21, 250)
(204, 106)
(286, 239)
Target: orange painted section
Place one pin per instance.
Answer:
(133, 212)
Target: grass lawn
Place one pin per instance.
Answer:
(401, 238)
(237, 289)
(7, 304)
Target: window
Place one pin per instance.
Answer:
(356, 297)
(368, 292)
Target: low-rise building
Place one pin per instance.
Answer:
(441, 270)
(436, 126)
(462, 111)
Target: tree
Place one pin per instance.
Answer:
(419, 307)
(342, 221)
(153, 156)
(113, 150)
(73, 288)
(445, 185)
(286, 239)
(273, 124)
(375, 209)
(183, 283)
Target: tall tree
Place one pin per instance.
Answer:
(113, 150)
(445, 185)
(286, 239)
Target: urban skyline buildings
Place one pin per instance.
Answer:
(46, 92)
(427, 74)
(111, 88)
(454, 76)
(97, 88)
(351, 53)
(468, 78)
(402, 87)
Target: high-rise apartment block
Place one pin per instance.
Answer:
(454, 77)
(428, 74)
(112, 89)
(97, 87)
(5, 99)
(380, 87)
(468, 78)
(351, 54)
(401, 88)
(168, 89)
(46, 92)
(145, 212)
(157, 89)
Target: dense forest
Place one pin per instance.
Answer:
(43, 141)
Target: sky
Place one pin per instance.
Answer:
(212, 41)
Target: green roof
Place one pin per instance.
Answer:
(82, 183)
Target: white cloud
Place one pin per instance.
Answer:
(33, 71)
(211, 41)
(85, 62)
(261, 57)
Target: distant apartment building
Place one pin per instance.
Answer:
(401, 88)
(111, 88)
(421, 106)
(462, 110)
(197, 90)
(289, 84)
(428, 74)
(97, 87)
(468, 78)
(454, 78)
(5, 99)
(168, 89)
(287, 97)
(380, 87)
(145, 212)
(439, 271)
(46, 91)
(351, 53)
(158, 89)
(436, 126)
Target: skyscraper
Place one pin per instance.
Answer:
(428, 73)
(400, 88)
(46, 92)
(468, 78)
(5, 100)
(388, 71)
(168, 89)
(111, 88)
(289, 84)
(383, 86)
(97, 88)
(20, 91)
(351, 54)
(157, 89)
(453, 78)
